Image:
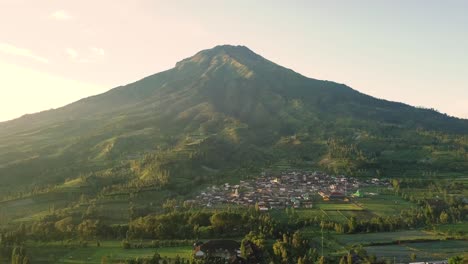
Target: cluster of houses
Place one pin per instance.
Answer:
(287, 189)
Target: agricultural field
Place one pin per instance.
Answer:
(458, 229)
(338, 206)
(330, 243)
(115, 209)
(429, 245)
(387, 237)
(112, 250)
(384, 204)
(32, 208)
(434, 250)
(340, 211)
(308, 214)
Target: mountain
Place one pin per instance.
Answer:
(224, 113)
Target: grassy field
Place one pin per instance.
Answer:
(434, 250)
(31, 208)
(57, 253)
(330, 244)
(307, 214)
(115, 209)
(342, 206)
(384, 204)
(360, 208)
(454, 229)
(399, 244)
(387, 237)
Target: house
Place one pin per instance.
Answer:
(336, 195)
(276, 191)
(323, 194)
(199, 254)
(222, 248)
(357, 194)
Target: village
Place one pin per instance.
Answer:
(286, 189)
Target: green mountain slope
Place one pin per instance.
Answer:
(225, 112)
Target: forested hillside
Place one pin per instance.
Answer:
(224, 113)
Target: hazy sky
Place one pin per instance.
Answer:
(55, 52)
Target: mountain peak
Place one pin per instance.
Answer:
(239, 58)
(228, 47)
(235, 52)
(223, 108)
(232, 50)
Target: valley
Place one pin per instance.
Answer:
(229, 157)
(383, 220)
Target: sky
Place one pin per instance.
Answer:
(55, 52)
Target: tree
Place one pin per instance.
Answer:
(312, 255)
(322, 260)
(280, 249)
(224, 221)
(177, 260)
(298, 244)
(257, 239)
(443, 217)
(343, 260)
(125, 244)
(170, 205)
(156, 258)
(300, 261)
(65, 225)
(26, 260)
(352, 225)
(243, 249)
(18, 256)
(257, 207)
(456, 260)
(396, 185)
(88, 228)
(104, 260)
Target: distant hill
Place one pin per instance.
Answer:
(225, 113)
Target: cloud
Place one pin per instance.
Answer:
(61, 15)
(92, 55)
(72, 53)
(13, 50)
(97, 51)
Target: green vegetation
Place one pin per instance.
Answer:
(385, 204)
(388, 237)
(424, 251)
(225, 113)
(112, 250)
(117, 167)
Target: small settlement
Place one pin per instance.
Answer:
(286, 189)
